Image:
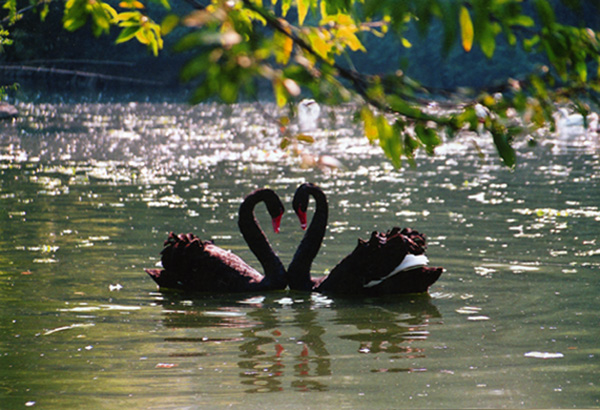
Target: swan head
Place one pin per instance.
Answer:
(302, 217)
(276, 223)
(300, 202)
(274, 207)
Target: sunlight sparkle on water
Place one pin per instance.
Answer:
(89, 192)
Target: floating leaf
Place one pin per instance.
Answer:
(305, 138)
(285, 142)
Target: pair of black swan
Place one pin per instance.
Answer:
(192, 264)
(388, 263)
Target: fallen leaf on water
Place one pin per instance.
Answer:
(166, 365)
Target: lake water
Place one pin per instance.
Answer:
(89, 192)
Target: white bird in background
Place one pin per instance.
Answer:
(308, 114)
(481, 112)
(568, 124)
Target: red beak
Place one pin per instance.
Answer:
(302, 217)
(276, 223)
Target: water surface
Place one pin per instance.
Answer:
(88, 193)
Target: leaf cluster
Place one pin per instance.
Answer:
(301, 47)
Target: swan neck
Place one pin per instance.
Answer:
(256, 239)
(299, 269)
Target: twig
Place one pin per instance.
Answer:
(77, 73)
(79, 61)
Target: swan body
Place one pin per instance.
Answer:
(391, 262)
(481, 112)
(409, 262)
(567, 123)
(192, 264)
(308, 114)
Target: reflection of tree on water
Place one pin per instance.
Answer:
(269, 342)
(390, 326)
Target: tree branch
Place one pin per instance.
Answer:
(77, 73)
(360, 82)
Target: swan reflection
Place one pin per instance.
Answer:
(293, 346)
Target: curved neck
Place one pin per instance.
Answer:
(257, 241)
(299, 269)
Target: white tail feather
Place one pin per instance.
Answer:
(409, 262)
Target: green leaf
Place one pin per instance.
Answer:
(194, 67)
(282, 47)
(521, 20)
(164, 3)
(127, 34)
(190, 41)
(305, 138)
(285, 142)
(507, 153)
(410, 146)
(487, 41)
(228, 90)
(285, 7)
(75, 15)
(581, 69)
(545, 12)
(428, 136)
(169, 23)
(371, 130)
(303, 6)
(389, 141)
(448, 12)
(529, 43)
(400, 106)
(44, 12)
(466, 29)
(280, 92)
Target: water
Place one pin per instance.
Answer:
(88, 193)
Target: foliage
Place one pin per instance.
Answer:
(305, 47)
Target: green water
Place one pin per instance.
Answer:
(88, 193)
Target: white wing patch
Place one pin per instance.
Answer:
(409, 262)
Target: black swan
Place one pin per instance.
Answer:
(388, 263)
(195, 265)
